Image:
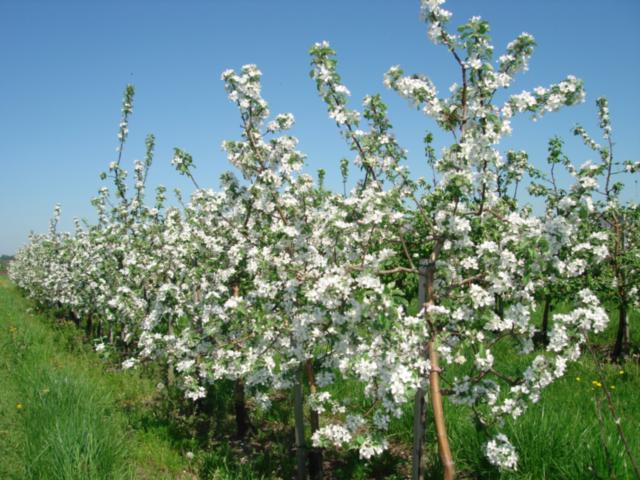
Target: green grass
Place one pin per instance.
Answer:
(70, 429)
(64, 414)
(81, 419)
(569, 433)
(561, 437)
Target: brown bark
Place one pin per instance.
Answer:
(438, 415)
(419, 409)
(426, 296)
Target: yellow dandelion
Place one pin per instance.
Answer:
(19, 406)
(596, 384)
(621, 372)
(578, 379)
(612, 387)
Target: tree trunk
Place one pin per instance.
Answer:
(619, 347)
(426, 277)
(499, 305)
(438, 415)
(242, 415)
(240, 404)
(74, 318)
(545, 320)
(419, 409)
(171, 376)
(419, 420)
(315, 454)
(89, 326)
(298, 413)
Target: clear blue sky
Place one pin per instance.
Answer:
(64, 65)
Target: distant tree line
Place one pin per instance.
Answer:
(4, 262)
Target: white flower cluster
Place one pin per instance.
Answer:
(501, 453)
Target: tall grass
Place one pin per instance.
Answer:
(71, 429)
(64, 415)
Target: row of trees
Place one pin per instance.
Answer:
(276, 283)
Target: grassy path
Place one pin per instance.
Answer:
(64, 415)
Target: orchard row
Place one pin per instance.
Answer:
(399, 288)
